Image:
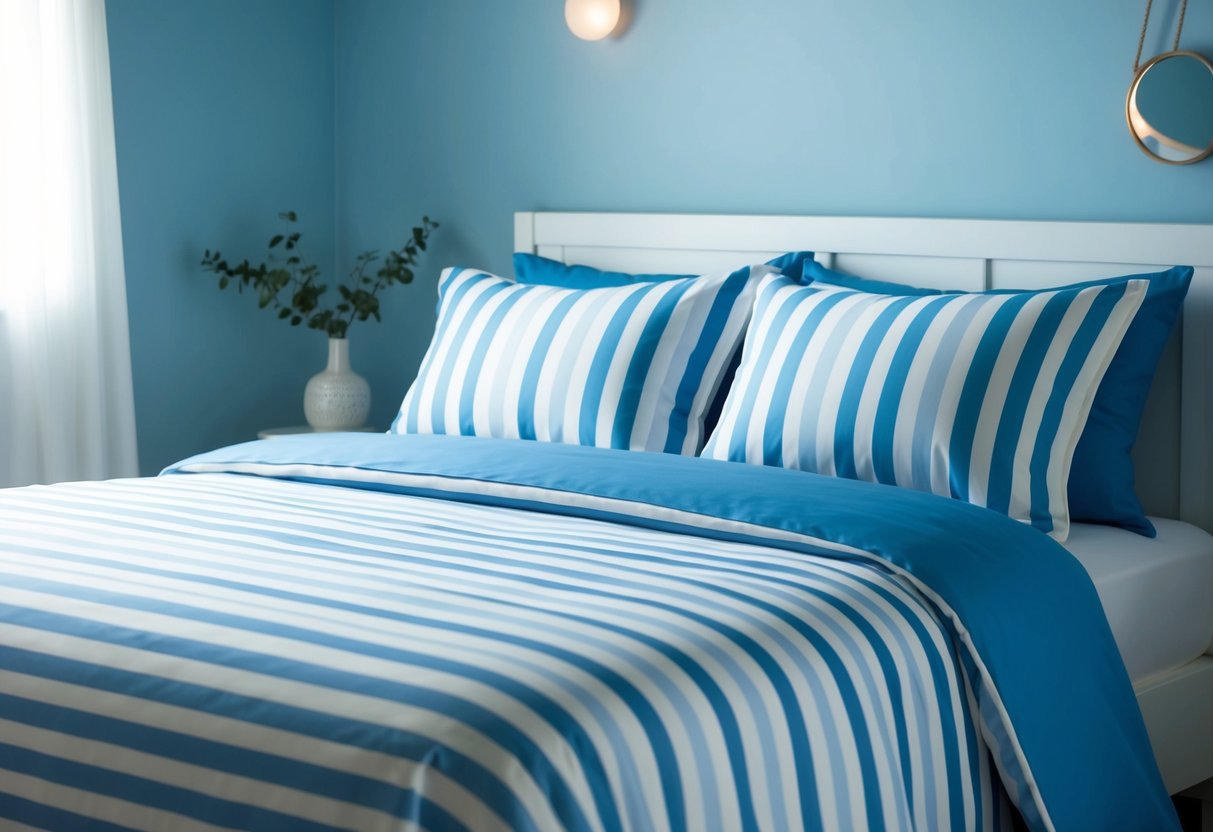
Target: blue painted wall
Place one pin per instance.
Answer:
(223, 116)
(470, 110)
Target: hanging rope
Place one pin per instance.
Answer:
(1182, 11)
(1145, 22)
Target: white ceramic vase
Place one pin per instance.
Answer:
(338, 398)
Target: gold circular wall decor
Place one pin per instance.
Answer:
(1169, 108)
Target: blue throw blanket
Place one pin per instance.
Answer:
(703, 572)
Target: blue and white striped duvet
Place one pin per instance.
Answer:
(458, 633)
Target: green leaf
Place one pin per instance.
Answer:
(294, 291)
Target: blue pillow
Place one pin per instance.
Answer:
(543, 271)
(1101, 487)
(979, 397)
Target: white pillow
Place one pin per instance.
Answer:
(623, 367)
(981, 397)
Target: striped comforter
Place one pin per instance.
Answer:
(383, 633)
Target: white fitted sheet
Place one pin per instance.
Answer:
(1157, 594)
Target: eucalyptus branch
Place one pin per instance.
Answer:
(359, 299)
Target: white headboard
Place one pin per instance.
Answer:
(1174, 453)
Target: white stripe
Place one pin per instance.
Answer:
(520, 359)
(838, 376)
(941, 460)
(510, 346)
(617, 369)
(159, 715)
(226, 785)
(1042, 388)
(99, 806)
(425, 387)
(564, 345)
(461, 359)
(1079, 407)
(995, 400)
(912, 393)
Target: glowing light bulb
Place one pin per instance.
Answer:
(591, 19)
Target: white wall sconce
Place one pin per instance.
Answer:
(592, 19)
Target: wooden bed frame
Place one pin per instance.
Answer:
(1174, 453)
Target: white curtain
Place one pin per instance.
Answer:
(66, 407)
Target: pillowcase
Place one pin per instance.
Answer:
(543, 271)
(1101, 487)
(534, 270)
(980, 397)
(620, 367)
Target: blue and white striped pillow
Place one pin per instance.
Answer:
(978, 397)
(623, 367)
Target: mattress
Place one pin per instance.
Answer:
(1157, 594)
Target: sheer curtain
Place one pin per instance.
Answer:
(66, 407)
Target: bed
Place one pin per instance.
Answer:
(1174, 451)
(453, 632)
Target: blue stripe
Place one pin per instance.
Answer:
(929, 412)
(1019, 396)
(604, 354)
(279, 715)
(682, 418)
(41, 816)
(973, 394)
(527, 404)
(638, 369)
(472, 384)
(493, 725)
(852, 393)
(441, 327)
(446, 371)
(819, 373)
(175, 745)
(885, 424)
(142, 791)
(760, 364)
(1076, 357)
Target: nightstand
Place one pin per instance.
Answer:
(270, 433)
